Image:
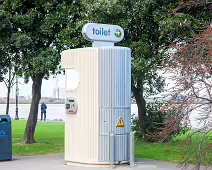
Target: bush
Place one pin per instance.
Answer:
(161, 126)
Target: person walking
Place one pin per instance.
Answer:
(43, 111)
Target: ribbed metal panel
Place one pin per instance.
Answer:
(82, 129)
(109, 119)
(104, 148)
(115, 100)
(105, 117)
(108, 124)
(122, 148)
(115, 77)
(121, 152)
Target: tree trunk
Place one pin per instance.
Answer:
(33, 114)
(8, 93)
(141, 104)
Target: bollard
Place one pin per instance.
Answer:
(111, 145)
(132, 149)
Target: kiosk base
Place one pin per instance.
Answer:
(95, 164)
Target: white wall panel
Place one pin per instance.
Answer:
(82, 129)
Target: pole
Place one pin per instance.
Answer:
(58, 96)
(132, 149)
(57, 87)
(16, 101)
(111, 145)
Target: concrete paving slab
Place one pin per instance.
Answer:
(56, 162)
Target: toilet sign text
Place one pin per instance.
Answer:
(102, 32)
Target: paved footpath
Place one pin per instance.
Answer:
(56, 162)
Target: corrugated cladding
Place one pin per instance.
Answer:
(115, 100)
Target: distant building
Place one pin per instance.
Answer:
(22, 98)
(59, 93)
(155, 100)
(3, 98)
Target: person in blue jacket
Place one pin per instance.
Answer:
(43, 111)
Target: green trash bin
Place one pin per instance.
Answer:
(5, 138)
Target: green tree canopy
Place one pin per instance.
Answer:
(41, 29)
(150, 26)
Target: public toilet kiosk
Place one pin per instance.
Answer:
(98, 99)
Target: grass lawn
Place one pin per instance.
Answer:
(50, 139)
(176, 150)
(157, 151)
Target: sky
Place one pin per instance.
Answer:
(48, 86)
(26, 89)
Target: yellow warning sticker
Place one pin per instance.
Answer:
(120, 123)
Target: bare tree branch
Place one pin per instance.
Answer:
(5, 82)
